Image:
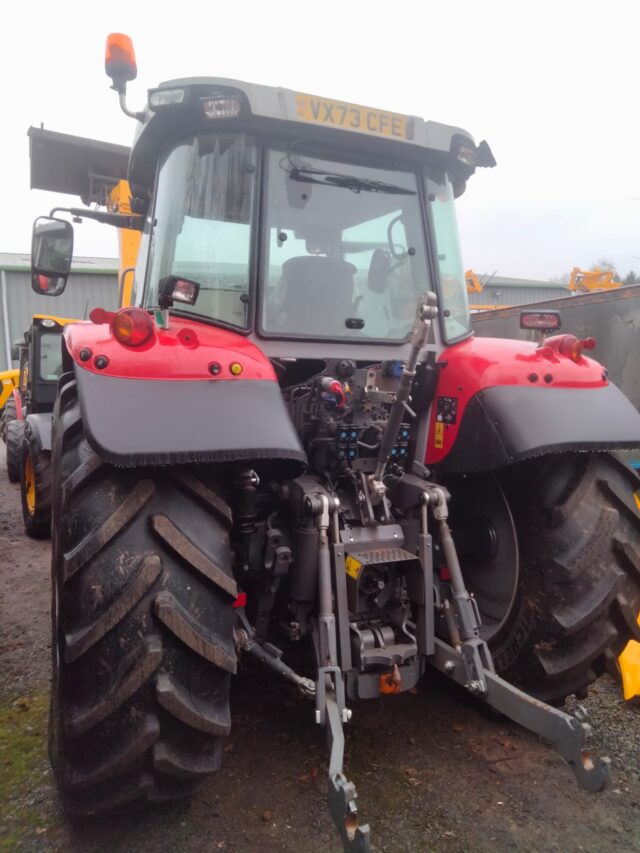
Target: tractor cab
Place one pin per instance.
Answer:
(307, 245)
(311, 226)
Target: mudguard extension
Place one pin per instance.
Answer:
(502, 425)
(132, 422)
(41, 425)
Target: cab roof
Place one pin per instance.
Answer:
(178, 107)
(288, 105)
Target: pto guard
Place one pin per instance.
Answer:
(499, 401)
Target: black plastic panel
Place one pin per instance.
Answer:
(509, 423)
(150, 422)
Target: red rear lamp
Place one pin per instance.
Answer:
(540, 321)
(133, 327)
(570, 346)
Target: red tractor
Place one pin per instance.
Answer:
(342, 467)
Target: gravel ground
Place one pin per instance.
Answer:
(434, 770)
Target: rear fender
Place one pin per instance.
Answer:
(500, 401)
(132, 422)
(40, 425)
(182, 398)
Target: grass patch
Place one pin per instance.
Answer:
(24, 770)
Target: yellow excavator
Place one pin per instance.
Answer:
(580, 281)
(589, 281)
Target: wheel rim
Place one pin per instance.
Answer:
(30, 485)
(485, 536)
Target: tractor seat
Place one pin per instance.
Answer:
(316, 295)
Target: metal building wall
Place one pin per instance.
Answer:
(18, 303)
(505, 295)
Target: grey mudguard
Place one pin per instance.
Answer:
(158, 422)
(509, 423)
(41, 425)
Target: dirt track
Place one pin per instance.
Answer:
(434, 771)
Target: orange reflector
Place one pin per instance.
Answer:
(120, 59)
(629, 663)
(390, 682)
(236, 368)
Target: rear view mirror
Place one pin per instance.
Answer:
(15, 349)
(51, 254)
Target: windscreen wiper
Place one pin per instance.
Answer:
(349, 182)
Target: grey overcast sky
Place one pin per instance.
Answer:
(552, 86)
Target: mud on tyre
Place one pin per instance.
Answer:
(35, 485)
(9, 413)
(567, 616)
(142, 626)
(15, 433)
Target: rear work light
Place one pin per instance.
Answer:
(540, 321)
(165, 97)
(133, 327)
(221, 107)
(173, 289)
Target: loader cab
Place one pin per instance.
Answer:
(307, 238)
(41, 363)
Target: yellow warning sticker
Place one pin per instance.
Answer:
(353, 567)
(439, 439)
(637, 497)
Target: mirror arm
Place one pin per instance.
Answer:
(119, 220)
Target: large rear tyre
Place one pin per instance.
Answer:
(15, 433)
(561, 618)
(142, 626)
(35, 486)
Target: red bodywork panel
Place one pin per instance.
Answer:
(183, 351)
(479, 363)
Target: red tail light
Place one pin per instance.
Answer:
(133, 327)
(570, 346)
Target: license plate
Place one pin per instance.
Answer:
(352, 117)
